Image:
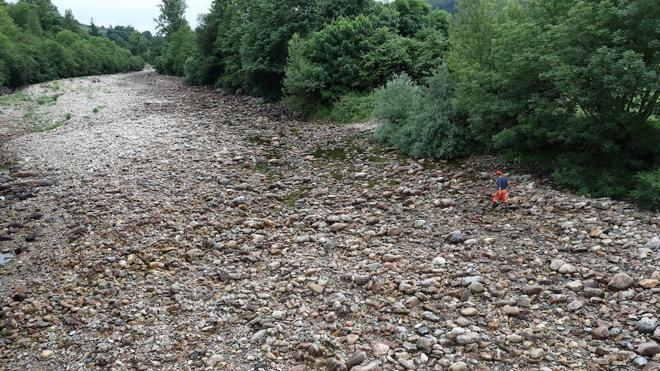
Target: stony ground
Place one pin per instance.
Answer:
(168, 227)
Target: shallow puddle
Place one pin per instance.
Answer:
(5, 258)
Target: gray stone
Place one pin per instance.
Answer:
(456, 237)
(357, 358)
(620, 281)
(567, 269)
(649, 349)
(408, 365)
(425, 344)
(640, 362)
(458, 366)
(600, 332)
(535, 353)
(469, 338)
(556, 263)
(575, 305)
(646, 325)
(476, 287)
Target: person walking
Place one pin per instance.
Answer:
(502, 191)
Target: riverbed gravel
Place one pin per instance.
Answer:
(173, 227)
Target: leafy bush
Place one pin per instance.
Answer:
(352, 108)
(175, 51)
(647, 190)
(569, 87)
(350, 56)
(421, 120)
(34, 47)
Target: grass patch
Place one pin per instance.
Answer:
(98, 109)
(47, 100)
(15, 99)
(351, 108)
(57, 124)
(293, 197)
(258, 140)
(52, 126)
(330, 154)
(337, 176)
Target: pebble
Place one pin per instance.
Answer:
(567, 269)
(649, 283)
(532, 289)
(601, 332)
(468, 338)
(439, 261)
(458, 366)
(425, 344)
(620, 281)
(575, 305)
(648, 349)
(356, 359)
(646, 325)
(536, 353)
(380, 349)
(511, 311)
(406, 364)
(556, 264)
(456, 237)
(640, 362)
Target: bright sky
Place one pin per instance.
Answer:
(136, 13)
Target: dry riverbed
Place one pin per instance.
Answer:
(150, 225)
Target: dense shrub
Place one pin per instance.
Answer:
(353, 55)
(251, 47)
(351, 107)
(569, 88)
(34, 47)
(175, 51)
(647, 190)
(421, 120)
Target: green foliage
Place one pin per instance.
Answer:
(412, 14)
(93, 30)
(351, 108)
(421, 120)
(354, 55)
(70, 23)
(38, 44)
(244, 44)
(172, 17)
(138, 43)
(447, 5)
(647, 190)
(569, 86)
(175, 51)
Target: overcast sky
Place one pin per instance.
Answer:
(137, 13)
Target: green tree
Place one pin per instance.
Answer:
(353, 55)
(421, 120)
(70, 23)
(412, 14)
(26, 17)
(171, 17)
(176, 50)
(93, 30)
(567, 85)
(7, 26)
(138, 43)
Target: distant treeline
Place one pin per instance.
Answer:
(448, 5)
(38, 44)
(567, 87)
